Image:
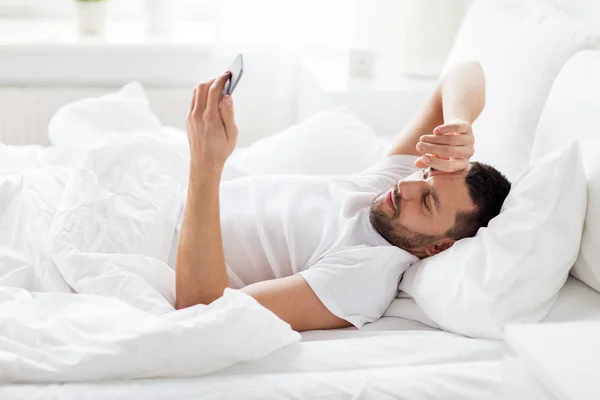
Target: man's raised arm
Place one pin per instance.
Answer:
(201, 273)
(443, 127)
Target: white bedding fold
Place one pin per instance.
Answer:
(49, 337)
(104, 230)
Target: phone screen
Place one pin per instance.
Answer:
(236, 69)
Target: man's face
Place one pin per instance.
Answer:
(420, 209)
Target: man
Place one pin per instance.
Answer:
(328, 252)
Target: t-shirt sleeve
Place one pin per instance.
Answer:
(358, 284)
(386, 173)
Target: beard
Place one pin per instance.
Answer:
(392, 230)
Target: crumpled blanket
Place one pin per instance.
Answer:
(86, 228)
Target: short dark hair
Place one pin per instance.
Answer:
(488, 189)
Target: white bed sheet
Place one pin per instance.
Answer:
(391, 358)
(410, 364)
(381, 327)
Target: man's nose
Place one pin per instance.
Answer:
(410, 190)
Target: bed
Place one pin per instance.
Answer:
(391, 358)
(394, 357)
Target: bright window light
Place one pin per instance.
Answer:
(312, 24)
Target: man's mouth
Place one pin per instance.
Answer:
(389, 200)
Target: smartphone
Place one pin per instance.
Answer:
(236, 69)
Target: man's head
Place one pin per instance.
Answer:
(428, 211)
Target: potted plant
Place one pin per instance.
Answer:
(91, 16)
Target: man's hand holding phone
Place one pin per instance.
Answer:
(211, 127)
(449, 149)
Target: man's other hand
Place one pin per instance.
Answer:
(211, 127)
(449, 149)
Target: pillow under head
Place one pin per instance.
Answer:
(512, 270)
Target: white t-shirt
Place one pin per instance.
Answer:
(318, 226)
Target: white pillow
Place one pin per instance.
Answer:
(328, 143)
(572, 111)
(512, 270)
(88, 122)
(521, 46)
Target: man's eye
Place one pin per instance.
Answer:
(425, 202)
(424, 174)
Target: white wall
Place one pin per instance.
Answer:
(264, 99)
(271, 33)
(587, 10)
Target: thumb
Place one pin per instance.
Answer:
(420, 164)
(227, 116)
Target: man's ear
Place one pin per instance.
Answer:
(438, 246)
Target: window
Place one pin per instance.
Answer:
(118, 9)
(291, 23)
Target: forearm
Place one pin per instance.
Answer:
(201, 275)
(460, 95)
(463, 92)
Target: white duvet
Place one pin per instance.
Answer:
(95, 215)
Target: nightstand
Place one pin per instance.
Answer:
(385, 102)
(553, 362)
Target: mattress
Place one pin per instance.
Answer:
(392, 357)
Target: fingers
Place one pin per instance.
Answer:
(445, 151)
(207, 95)
(449, 140)
(201, 94)
(459, 127)
(452, 165)
(228, 118)
(214, 95)
(193, 105)
(448, 149)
